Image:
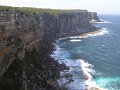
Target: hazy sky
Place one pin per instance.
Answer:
(100, 6)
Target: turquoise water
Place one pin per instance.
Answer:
(101, 51)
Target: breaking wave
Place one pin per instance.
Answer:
(99, 21)
(75, 40)
(80, 69)
(100, 32)
(103, 21)
(88, 71)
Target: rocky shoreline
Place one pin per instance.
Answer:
(44, 65)
(89, 82)
(40, 74)
(26, 37)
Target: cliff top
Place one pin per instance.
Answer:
(39, 10)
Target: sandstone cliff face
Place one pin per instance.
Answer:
(94, 16)
(23, 31)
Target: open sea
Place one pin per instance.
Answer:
(96, 56)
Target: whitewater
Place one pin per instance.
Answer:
(78, 67)
(93, 58)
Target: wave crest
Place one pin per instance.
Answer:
(99, 21)
(99, 32)
(75, 40)
(88, 72)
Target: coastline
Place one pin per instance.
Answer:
(31, 33)
(63, 81)
(87, 73)
(87, 79)
(51, 69)
(98, 32)
(37, 71)
(93, 21)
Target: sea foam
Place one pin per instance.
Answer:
(103, 21)
(100, 21)
(75, 40)
(88, 72)
(99, 32)
(79, 67)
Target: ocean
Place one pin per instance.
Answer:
(94, 59)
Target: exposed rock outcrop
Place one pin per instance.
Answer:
(21, 32)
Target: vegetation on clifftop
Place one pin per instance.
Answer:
(39, 10)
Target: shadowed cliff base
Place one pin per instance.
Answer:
(37, 71)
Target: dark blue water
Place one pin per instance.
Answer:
(101, 51)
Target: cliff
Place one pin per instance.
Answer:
(21, 32)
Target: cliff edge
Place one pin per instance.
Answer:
(26, 36)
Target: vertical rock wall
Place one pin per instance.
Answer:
(23, 31)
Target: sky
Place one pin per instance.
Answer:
(99, 6)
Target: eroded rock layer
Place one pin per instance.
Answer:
(22, 32)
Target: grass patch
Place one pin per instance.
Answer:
(38, 10)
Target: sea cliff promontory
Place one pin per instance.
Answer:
(26, 37)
